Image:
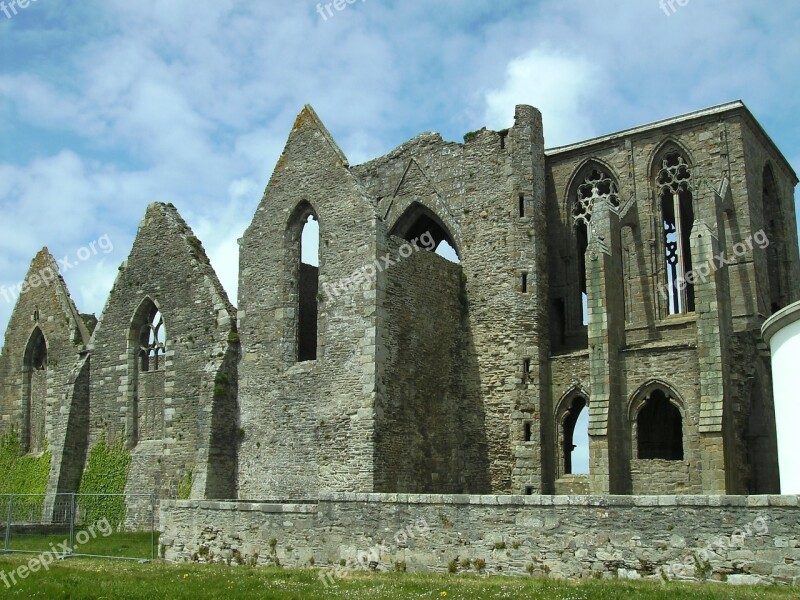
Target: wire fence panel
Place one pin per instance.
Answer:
(68, 525)
(37, 523)
(115, 526)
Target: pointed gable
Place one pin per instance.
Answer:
(163, 358)
(44, 314)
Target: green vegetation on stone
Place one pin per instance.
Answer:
(22, 474)
(106, 473)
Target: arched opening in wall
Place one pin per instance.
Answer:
(152, 346)
(674, 185)
(774, 229)
(308, 288)
(148, 347)
(575, 436)
(594, 186)
(35, 393)
(659, 427)
(425, 230)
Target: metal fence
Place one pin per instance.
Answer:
(91, 525)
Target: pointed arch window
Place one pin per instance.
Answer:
(34, 392)
(674, 185)
(147, 379)
(595, 185)
(659, 428)
(427, 231)
(152, 345)
(575, 437)
(308, 285)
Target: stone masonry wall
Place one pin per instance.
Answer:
(46, 304)
(476, 190)
(308, 425)
(168, 266)
(728, 152)
(420, 434)
(740, 539)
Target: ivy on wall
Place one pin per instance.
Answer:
(185, 486)
(25, 474)
(106, 473)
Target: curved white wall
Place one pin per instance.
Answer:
(782, 333)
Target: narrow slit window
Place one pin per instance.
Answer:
(308, 290)
(524, 283)
(522, 205)
(585, 308)
(528, 431)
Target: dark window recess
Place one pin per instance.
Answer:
(524, 283)
(308, 290)
(528, 431)
(660, 429)
(522, 205)
(503, 134)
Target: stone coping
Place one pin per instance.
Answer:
(491, 500)
(242, 506)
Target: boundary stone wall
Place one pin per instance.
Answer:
(737, 539)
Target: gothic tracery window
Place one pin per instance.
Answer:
(151, 341)
(596, 186)
(674, 184)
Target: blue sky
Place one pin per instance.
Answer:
(108, 106)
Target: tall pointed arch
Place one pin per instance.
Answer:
(592, 182)
(418, 221)
(572, 432)
(34, 392)
(303, 236)
(671, 173)
(656, 412)
(147, 348)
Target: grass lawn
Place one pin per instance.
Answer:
(126, 545)
(79, 579)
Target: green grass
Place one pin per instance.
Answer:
(83, 579)
(124, 545)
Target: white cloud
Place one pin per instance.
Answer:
(560, 86)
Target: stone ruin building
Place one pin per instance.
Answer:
(627, 276)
